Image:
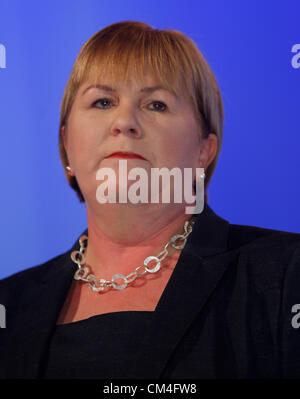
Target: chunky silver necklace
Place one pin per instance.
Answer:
(82, 273)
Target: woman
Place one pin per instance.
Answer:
(216, 299)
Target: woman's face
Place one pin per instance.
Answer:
(152, 123)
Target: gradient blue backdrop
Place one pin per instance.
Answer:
(248, 45)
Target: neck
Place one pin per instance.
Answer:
(119, 241)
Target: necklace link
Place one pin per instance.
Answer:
(79, 257)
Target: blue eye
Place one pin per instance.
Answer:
(107, 100)
(158, 102)
(101, 99)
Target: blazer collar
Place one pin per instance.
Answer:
(210, 234)
(194, 278)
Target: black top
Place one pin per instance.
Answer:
(103, 346)
(229, 310)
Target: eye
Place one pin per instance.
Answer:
(100, 100)
(160, 103)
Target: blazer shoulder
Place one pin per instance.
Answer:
(244, 236)
(268, 256)
(27, 277)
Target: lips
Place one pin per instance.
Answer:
(125, 155)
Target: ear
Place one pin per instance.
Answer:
(208, 150)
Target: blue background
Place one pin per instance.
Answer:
(248, 45)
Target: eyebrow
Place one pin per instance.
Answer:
(111, 89)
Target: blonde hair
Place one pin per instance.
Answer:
(175, 61)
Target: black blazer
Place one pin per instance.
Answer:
(226, 311)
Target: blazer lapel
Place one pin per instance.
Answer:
(193, 280)
(33, 324)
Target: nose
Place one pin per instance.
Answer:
(125, 122)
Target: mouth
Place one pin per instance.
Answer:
(125, 155)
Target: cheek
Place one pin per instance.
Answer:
(184, 148)
(82, 139)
